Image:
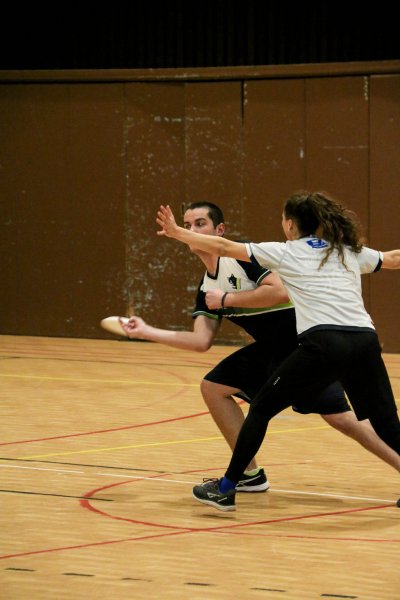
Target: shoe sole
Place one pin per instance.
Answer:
(263, 487)
(214, 504)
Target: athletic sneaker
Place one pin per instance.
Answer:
(208, 493)
(253, 483)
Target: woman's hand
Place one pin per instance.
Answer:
(166, 220)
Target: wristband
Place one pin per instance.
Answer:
(223, 299)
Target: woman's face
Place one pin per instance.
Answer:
(289, 228)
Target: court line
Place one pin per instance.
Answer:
(86, 380)
(92, 544)
(161, 478)
(91, 465)
(30, 468)
(186, 532)
(112, 429)
(95, 432)
(109, 358)
(168, 443)
(225, 529)
(30, 493)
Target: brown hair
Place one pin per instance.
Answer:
(314, 211)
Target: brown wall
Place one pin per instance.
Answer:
(85, 164)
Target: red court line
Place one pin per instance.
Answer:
(71, 435)
(91, 545)
(315, 537)
(221, 529)
(85, 503)
(204, 530)
(68, 353)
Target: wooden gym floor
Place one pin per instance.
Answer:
(102, 441)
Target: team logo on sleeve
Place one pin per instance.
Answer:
(235, 282)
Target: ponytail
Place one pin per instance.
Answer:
(336, 224)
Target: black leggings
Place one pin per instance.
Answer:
(351, 357)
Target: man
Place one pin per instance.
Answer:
(255, 299)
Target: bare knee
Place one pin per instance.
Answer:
(207, 389)
(344, 422)
(215, 392)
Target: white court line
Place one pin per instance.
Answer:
(270, 490)
(41, 469)
(335, 496)
(160, 479)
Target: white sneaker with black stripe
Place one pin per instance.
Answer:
(253, 483)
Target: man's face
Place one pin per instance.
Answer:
(198, 220)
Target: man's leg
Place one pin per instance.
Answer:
(225, 411)
(363, 433)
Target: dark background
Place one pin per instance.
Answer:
(142, 35)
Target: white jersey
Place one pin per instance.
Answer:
(237, 276)
(327, 297)
(263, 324)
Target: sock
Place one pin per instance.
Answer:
(226, 484)
(253, 472)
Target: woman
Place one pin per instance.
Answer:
(320, 265)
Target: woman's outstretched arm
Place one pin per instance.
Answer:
(212, 244)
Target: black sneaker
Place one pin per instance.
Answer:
(208, 493)
(253, 483)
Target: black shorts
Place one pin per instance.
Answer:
(323, 356)
(250, 367)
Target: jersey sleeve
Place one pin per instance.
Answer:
(267, 254)
(254, 271)
(369, 260)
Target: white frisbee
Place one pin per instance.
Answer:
(113, 325)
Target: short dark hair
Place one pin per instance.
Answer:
(214, 212)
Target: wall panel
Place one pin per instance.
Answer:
(337, 139)
(385, 203)
(84, 167)
(155, 163)
(213, 165)
(62, 236)
(213, 145)
(337, 144)
(273, 158)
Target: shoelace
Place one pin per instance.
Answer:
(210, 480)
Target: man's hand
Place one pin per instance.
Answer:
(213, 299)
(135, 328)
(166, 221)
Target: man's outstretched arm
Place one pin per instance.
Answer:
(198, 340)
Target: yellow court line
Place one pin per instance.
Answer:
(118, 448)
(130, 447)
(130, 381)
